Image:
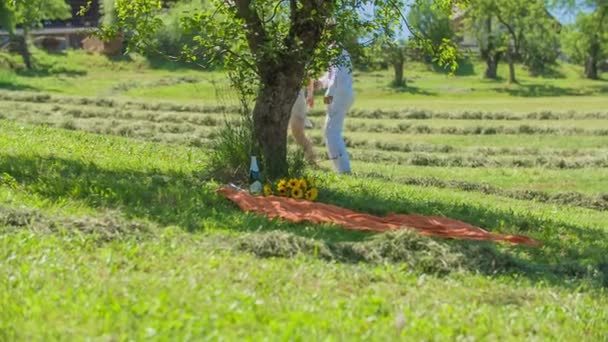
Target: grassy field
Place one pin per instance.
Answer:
(110, 229)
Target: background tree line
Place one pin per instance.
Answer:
(506, 31)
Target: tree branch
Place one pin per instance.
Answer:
(274, 12)
(256, 35)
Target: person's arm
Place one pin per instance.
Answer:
(331, 85)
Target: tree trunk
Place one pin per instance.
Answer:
(491, 57)
(21, 47)
(591, 69)
(492, 66)
(271, 115)
(398, 81)
(512, 79)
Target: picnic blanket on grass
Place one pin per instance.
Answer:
(294, 210)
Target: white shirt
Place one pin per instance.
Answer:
(339, 78)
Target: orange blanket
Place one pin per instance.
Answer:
(299, 210)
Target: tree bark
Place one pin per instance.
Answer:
(25, 50)
(398, 81)
(492, 66)
(512, 79)
(488, 54)
(591, 65)
(20, 46)
(271, 115)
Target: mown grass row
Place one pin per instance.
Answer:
(45, 98)
(408, 147)
(475, 161)
(407, 114)
(88, 112)
(200, 136)
(413, 128)
(424, 114)
(176, 122)
(216, 118)
(571, 198)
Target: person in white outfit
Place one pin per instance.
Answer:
(339, 97)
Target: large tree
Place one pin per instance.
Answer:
(271, 47)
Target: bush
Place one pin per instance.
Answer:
(232, 147)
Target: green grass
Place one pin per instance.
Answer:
(194, 281)
(111, 229)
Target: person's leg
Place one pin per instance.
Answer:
(297, 130)
(297, 123)
(334, 122)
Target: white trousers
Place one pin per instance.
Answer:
(334, 123)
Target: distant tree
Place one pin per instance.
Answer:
(394, 54)
(541, 46)
(490, 35)
(586, 41)
(29, 14)
(509, 28)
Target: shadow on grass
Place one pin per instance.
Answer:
(185, 200)
(413, 90)
(179, 199)
(541, 90)
(600, 89)
(13, 86)
(549, 72)
(50, 70)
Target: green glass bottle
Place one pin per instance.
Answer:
(255, 183)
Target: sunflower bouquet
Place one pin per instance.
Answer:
(298, 188)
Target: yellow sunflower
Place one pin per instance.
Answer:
(303, 184)
(282, 183)
(267, 190)
(297, 193)
(311, 194)
(293, 183)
